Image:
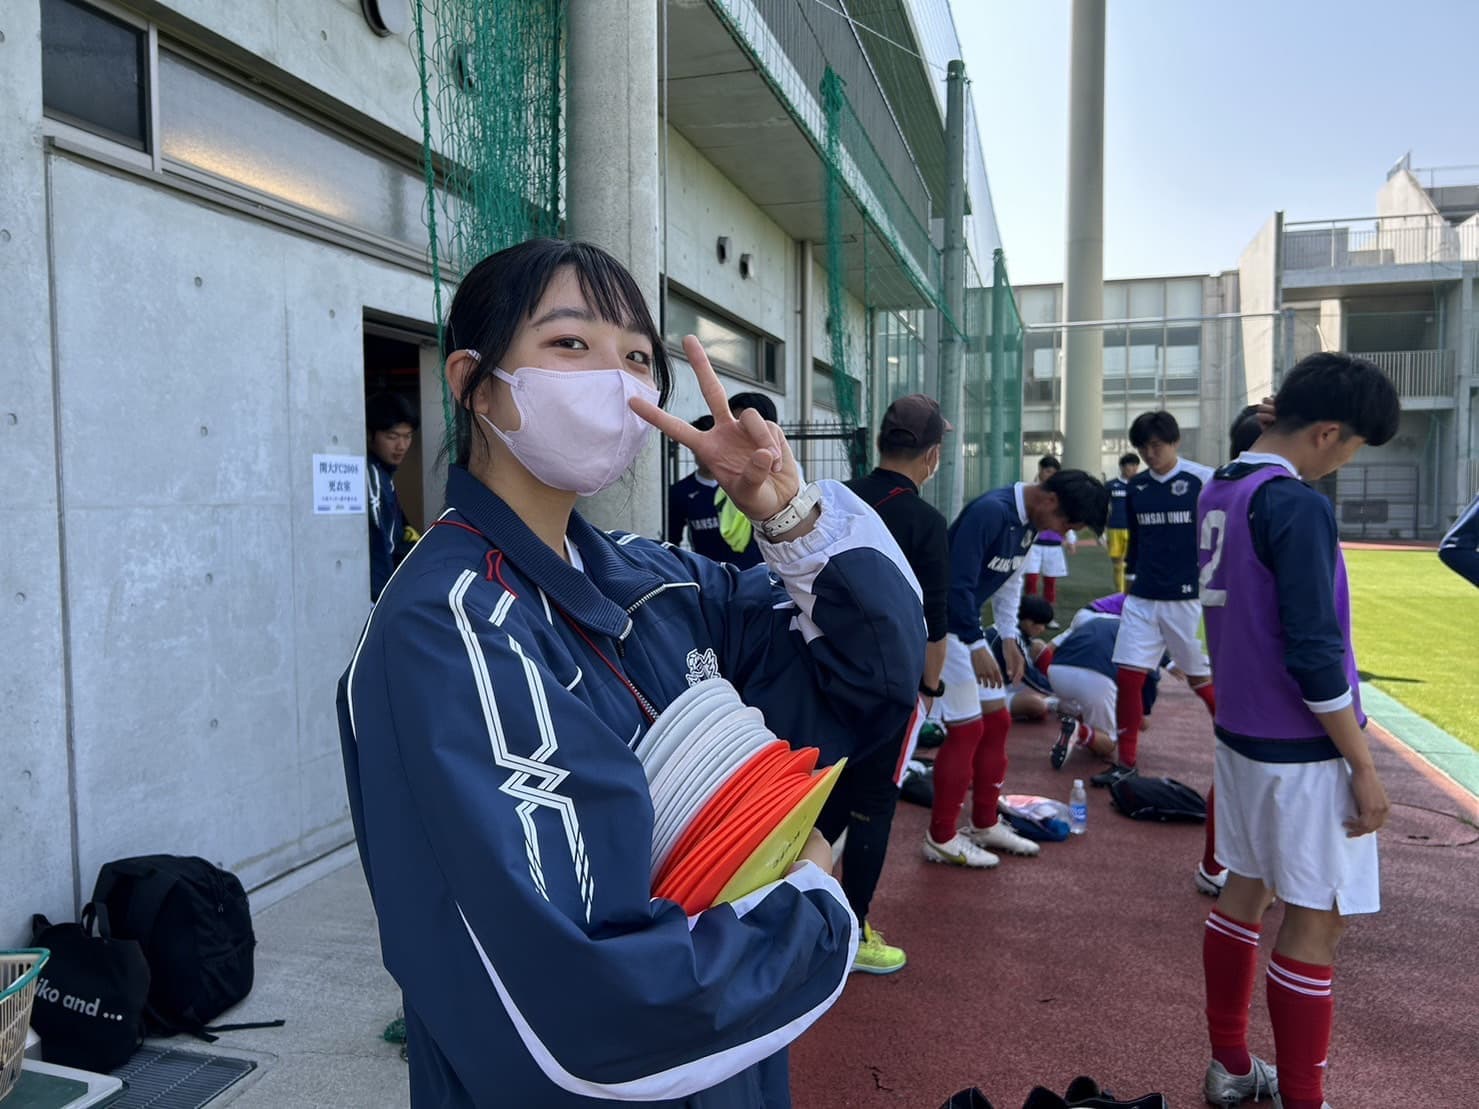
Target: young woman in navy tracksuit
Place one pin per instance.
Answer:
(508, 675)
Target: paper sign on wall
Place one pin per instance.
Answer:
(338, 484)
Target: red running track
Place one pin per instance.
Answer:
(1087, 959)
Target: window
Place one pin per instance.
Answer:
(211, 125)
(1183, 351)
(1038, 305)
(729, 344)
(94, 72)
(823, 387)
(1114, 302)
(1184, 298)
(1147, 300)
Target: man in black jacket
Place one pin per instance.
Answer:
(390, 427)
(909, 443)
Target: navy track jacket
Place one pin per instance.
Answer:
(988, 542)
(1460, 547)
(489, 721)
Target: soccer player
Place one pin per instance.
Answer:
(1460, 547)
(1079, 665)
(988, 542)
(1117, 536)
(1161, 613)
(691, 506)
(1045, 560)
(1298, 794)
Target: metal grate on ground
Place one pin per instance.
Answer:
(172, 1079)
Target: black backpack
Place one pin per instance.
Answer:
(194, 924)
(1163, 799)
(91, 994)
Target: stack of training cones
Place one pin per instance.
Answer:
(732, 804)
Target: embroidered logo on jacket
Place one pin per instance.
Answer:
(1179, 487)
(702, 665)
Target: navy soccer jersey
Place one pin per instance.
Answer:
(1119, 489)
(1162, 511)
(691, 503)
(988, 542)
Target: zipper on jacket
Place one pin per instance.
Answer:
(643, 702)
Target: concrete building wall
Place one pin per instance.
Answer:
(36, 838)
(326, 52)
(211, 611)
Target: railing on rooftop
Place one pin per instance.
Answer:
(1378, 241)
(1416, 373)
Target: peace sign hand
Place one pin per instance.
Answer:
(748, 456)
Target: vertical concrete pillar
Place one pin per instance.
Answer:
(805, 356)
(1468, 363)
(613, 187)
(1083, 287)
(952, 342)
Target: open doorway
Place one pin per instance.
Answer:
(393, 363)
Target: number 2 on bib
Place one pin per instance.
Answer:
(1214, 532)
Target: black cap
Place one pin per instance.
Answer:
(912, 423)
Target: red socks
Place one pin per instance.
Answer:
(1029, 584)
(1050, 590)
(973, 756)
(991, 768)
(1230, 964)
(1129, 712)
(1302, 1009)
(1045, 659)
(1209, 838)
(1208, 696)
(954, 764)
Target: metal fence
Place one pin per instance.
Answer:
(1377, 501)
(1377, 241)
(1417, 373)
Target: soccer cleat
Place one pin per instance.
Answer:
(1054, 625)
(1067, 741)
(958, 851)
(1000, 837)
(1116, 773)
(875, 956)
(1210, 884)
(1227, 1090)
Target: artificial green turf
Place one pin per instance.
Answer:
(1413, 626)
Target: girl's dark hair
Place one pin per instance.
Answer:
(1343, 388)
(1245, 431)
(1154, 425)
(1082, 498)
(500, 294)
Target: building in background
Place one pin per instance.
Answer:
(215, 241)
(1397, 288)
(1172, 343)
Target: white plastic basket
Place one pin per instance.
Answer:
(18, 973)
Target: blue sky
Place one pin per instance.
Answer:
(1216, 114)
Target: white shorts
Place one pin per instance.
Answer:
(1047, 561)
(964, 695)
(1284, 824)
(1096, 693)
(1149, 629)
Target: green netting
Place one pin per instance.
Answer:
(492, 136)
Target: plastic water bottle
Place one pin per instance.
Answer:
(1078, 809)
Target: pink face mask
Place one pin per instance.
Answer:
(576, 431)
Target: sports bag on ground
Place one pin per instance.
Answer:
(1163, 799)
(194, 924)
(89, 1007)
